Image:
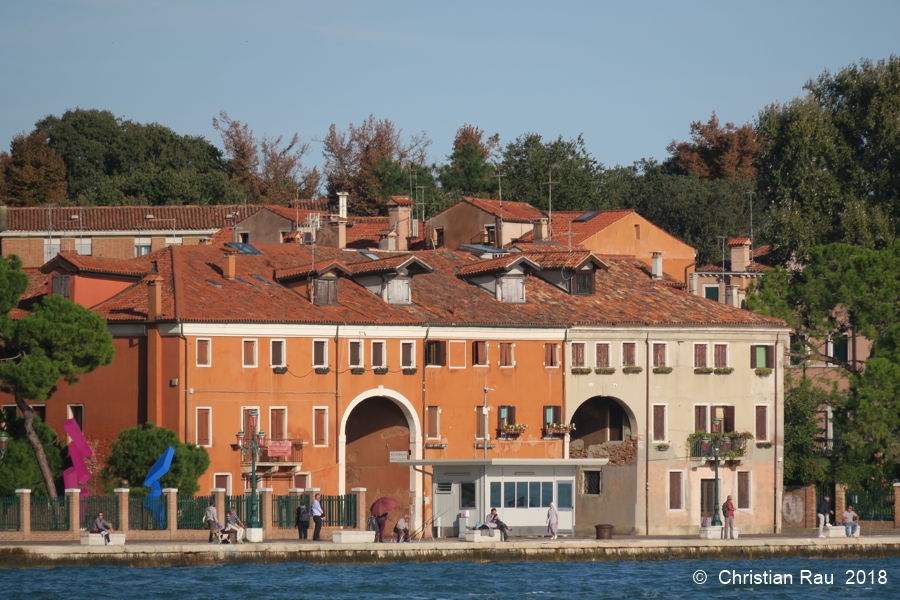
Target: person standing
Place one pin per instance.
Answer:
(212, 520)
(728, 513)
(318, 515)
(822, 512)
(102, 527)
(552, 521)
(380, 520)
(303, 522)
(849, 520)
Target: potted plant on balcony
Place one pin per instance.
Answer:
(513, 430)
(632, 369)
(581, 370)
(380, 370)
(724, 370)
(410, 371)
(322, 370)
(357, 370)
(662, 370)
(558, 429)
(703, 370)
(605, 370)
(763, 371)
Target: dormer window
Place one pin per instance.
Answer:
(512, 289)
(584, 284)
(325, 291)
(397, 291)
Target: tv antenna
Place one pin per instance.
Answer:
(550, 183)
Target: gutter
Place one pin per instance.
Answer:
(187, 390)
(74, 233)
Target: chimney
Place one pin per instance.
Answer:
(334, 235)
(657, 266)
(342, 204)
(154, 298)
(398, 221)
(229, 269)
(389, 242)
(540, 230)
(740, 254)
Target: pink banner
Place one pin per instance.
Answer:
(279, 448)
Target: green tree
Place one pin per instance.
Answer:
(19, 467)
(802, 402)
(138, 448)
(32, 174)
(55, 340)
(469, 171)
(715, 151)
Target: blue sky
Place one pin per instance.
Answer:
(628, 76)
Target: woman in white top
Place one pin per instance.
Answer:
(552, 521)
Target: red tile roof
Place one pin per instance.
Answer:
(294, 214)
(125, 218)
(99, 265)
(761, 257)
(402, 201)
(738, 242)
(38, 285)
(564, 222)
(493, 265)
(367, 232)
(517, 212)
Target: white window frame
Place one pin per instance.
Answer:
(611, 361)
(84, 243)
(327, 437)
(487, 430)
(197, 426)
(283, 352)
(694, 355)
(665, 423)
(465, 354)
(412, 354)
(584, 354)
(768, 429)
(669, 492)
(707, 425)
(512, 347)
(247, 434)
(737, 490)
(727, 353)
(637, 353)
(324, 365)
(711, 285)
(49, 245)
(555, 350)
(283, 433)
(362, 354)
(308, 479)
(255, 353)
(140, 242)
(383, 354)
(487, 354)
(227, 485)
(433, 437)
(174, 241)
(209, 358)
(653, 354)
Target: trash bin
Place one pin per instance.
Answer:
(604, 532)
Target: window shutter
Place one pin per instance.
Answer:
(248, 431)
(628, 354)
(743, 489)
(406, 355)
(442, 353)
(277, 424)
(319, 353)
(700, 418)
(377, 354)
(721, 351)
(753, 364)
(578, 355)
(355, 348)
(659, 423)
(319, 426)
(659, 355)
(277, 353)
(700, 355)
(675, 490)
(249, 353)
(770, 356)
(203, 352)
(433, 429)
(203, 427)
(729, 418)
(505, 355)
(511, 415)
(762, 423)
(479, 425)
(602, 355)
(222, 482)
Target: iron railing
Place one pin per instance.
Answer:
(735, 449)
(148, 513)
(340, 511)
(50, 514)
(192, 512)
(92, 505)
(241, 506)
(872, 505)
(295, 455)
(10, 516)
(284, 510)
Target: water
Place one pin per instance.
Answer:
(669, 579)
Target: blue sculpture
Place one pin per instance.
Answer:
(160, 468)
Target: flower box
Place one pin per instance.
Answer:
(322, 370)
(279, 370)
(703, 370)
(632, 369)
(357, 371)
(410, 371)
(581, 370)
(763, 371)
(380, 371)
(724, 370)
(662, 447)
(605, 370)
(662, 370)
(763, 444)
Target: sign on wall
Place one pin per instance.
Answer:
(398, 455)
(279, 448)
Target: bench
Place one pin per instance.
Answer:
(347, 536)
(480, 536)
(95, 539)
(838, 531)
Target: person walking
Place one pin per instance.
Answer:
(380, 520)
(822, 512)
(302, 522)
(102, 527)
(728, 513)
(849, 520)
(212, 520)
(318, 515)
(552, 521)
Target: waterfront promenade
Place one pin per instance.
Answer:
(193, 553)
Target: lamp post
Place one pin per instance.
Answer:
(4, 440)
(712, 449)
(252, 447)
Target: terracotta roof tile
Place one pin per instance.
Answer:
(125, 218)
(493, 265)
(367, 232)
(402, 200)
(99, 265)
(294, 214)
(565, 222)
(738, 242)
(518, 212)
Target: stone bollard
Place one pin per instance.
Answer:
(74, 496)
(171, 495)
(122, 494)
(218, 496)
(360, 493)
(897, 506)
(24, 513)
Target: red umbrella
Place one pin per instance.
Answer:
(384, 505)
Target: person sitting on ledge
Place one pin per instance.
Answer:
(492, 520)
(236, 525)
(103, 527)
(401, 529)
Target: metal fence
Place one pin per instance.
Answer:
(284, 510)
(10, 516)
(340, 511)
(241, 506)
(873, 505)
(92, 505)
(49, 514)
(192, 512)
(148, 513)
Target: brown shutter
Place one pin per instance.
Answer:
(659, 355)
(433, 430)
(277, 353)
(505, 352)
(511, 415)
(377, 354)
(442, 353)
(659, 423)
(277, 424)
(249, 353)
(753, 364)
(406, 355)
(770, 356)
(222, 482)
(301, 481)
(602, 355)
(203, 352)
(203, 427)
(320, 427)
(721, 351)
(319, 353)
(700, 418)
(354, 353)
(700, 355)
(578, 355)
(728, 423)
(675, 490)
(628, 354)
(479, 424)
(548, 355)
(248, 431)
(762, 423)
(743, 489)
(479, 353)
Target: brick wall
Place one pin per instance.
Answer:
(30, 250)
(113, 247)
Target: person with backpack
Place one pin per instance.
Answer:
(728, 513)
(302, 522)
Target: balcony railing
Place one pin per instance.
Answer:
(734, 449)
(275, 452)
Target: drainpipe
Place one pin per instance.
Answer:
(647, 440)
(564, 403)
(686, 281)
(187, 389)
(424, 433)
(337, 393)
(775, 469)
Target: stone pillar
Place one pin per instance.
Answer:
(266, 507)
(896, 506)
(74, 496)
(810, 513)
(840, 501)
(122, 494)
(24, 512)
(171, 495)
(360, 493)
(218, 495)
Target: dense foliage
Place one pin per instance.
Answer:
(19, 468)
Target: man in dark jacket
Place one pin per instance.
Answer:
(102, 527)
(303, 522)
(822, 513)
